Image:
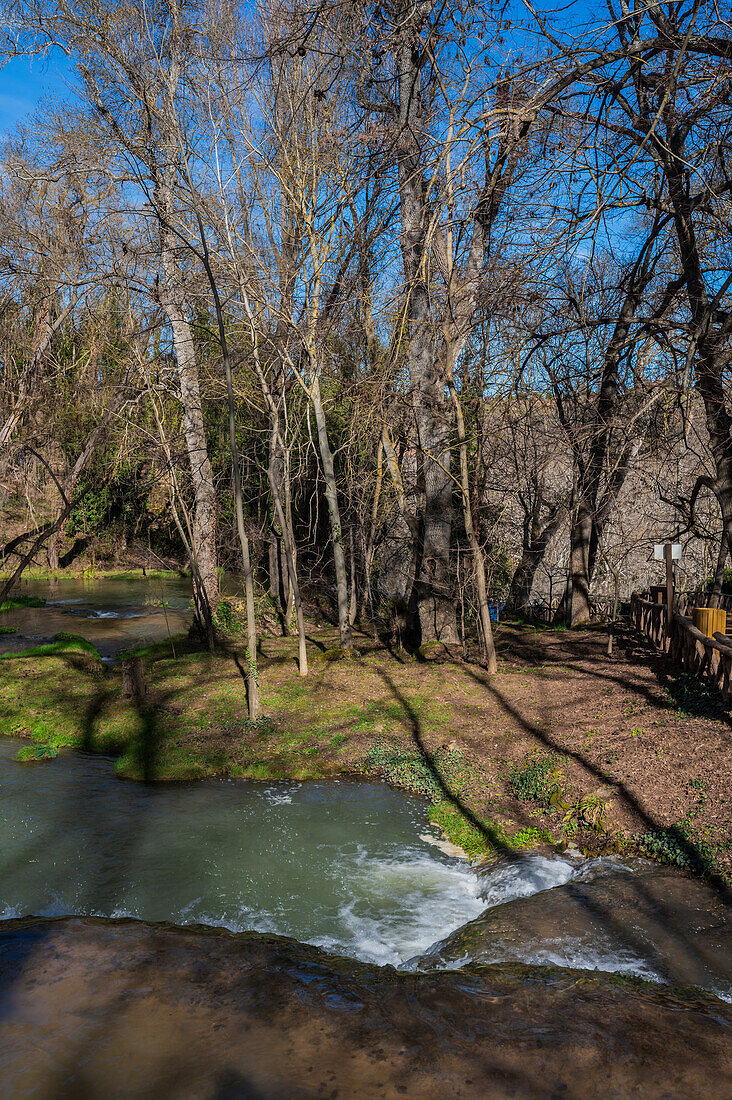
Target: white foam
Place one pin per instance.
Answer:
(575, 953)
(520, 878)
(401, 906)
(277, 797)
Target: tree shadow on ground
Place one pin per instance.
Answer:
(697, 861)
(603, 914)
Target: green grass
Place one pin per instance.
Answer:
(156, 650)
(94, 572)
(8, 629)
(62, 643)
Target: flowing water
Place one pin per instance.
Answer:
(353, 868)
(115, 613)
(340, 865)
(475, 1007)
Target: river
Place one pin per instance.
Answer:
(321, 940)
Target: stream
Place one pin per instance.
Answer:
(327, 932)
(115, 613)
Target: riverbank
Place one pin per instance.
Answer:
(564, 745)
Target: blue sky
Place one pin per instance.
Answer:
(24, 82)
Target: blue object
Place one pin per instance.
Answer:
(495, 609)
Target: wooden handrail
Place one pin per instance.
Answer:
(699, 654)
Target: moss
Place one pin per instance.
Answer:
(529, 837)
(459, 830)
(172, 646)
(14, 602)
(62, 643)
(8, 629)
(338, 653)
(437, 652)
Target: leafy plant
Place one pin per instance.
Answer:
(669, 845)
(29, 754)
(674, 844)
(402, 768)
(537, 778)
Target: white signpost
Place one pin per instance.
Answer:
(659, 551)
(668, 552)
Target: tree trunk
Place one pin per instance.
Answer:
(252, 673)
(367, 606)
(435, 584)
(204, 494)
(716, 592)
(535, 544)
(579, 565)
(274, 567)
(475, 547)
(353, 602)
(289, 542)
(331, 495)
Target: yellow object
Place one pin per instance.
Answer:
(710, 620)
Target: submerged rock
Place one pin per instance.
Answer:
(653, 922)
(97, 1008)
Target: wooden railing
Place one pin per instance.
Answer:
(687, 601)
(601, 609)
(700, 655)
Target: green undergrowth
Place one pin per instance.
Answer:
(448, 778)
(479, 840)
(540, 778)
(175, 645)
(537, 778)
(62, 643)
(97, 572)
(12, 603)
(678, 844)
(31, 754)
(533, 626)
(693, 697)
(8, 629)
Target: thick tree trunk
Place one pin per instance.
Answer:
(434, 588)
(435, 583)
(203, 519)
(475, 547)
(716, 592)
(579, 565)
(522, 582)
